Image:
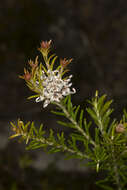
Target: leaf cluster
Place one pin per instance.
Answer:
(105, 150)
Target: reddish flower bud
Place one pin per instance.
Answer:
(46, 44)
(120, 128)
(33, 64)
(64, 62)
(26, 76)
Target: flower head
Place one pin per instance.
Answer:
(54, 87)
(47, 80)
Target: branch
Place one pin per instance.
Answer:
(75, 123)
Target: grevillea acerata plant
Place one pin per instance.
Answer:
(102, 141)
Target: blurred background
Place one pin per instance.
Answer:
(94, 34)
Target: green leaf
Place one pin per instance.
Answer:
(65, 100)
(111, 129)
(69, 104)
(100, 183)
(34, 129)
(35, 145)
(41, 132)
(52, 62)
(81, 118)
(66, 124)
(44, 68)
(101, 102)
(87, 126)
(54, 150)
(34, 96)
(63, 73)
(61, 138)
(25, 127)
(92, 114)
(51, 56)
(58, 68)
(105, 107)
(125, 114)
(72, 143)
(76, 112)
(106, 115)
(51, 135)
(78, 137)
(13, 125)
(58, 113)
(62, 123)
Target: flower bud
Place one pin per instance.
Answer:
(46, 44)
(120, 128)
(26, 76)
(45, 47)
(64, 62)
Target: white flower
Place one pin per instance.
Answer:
(54, 87)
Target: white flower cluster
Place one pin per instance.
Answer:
(54, 87)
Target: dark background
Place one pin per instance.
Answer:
(94, 33)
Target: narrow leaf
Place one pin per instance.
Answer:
(58, 113)
(76, 111)
(101, 102)
(81, 118)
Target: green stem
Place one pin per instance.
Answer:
(117, 177)
(115, 168)
(75, 124)
(100, 124)
(46, 60)
(115, 165)
(64, 148)
(50, 143)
